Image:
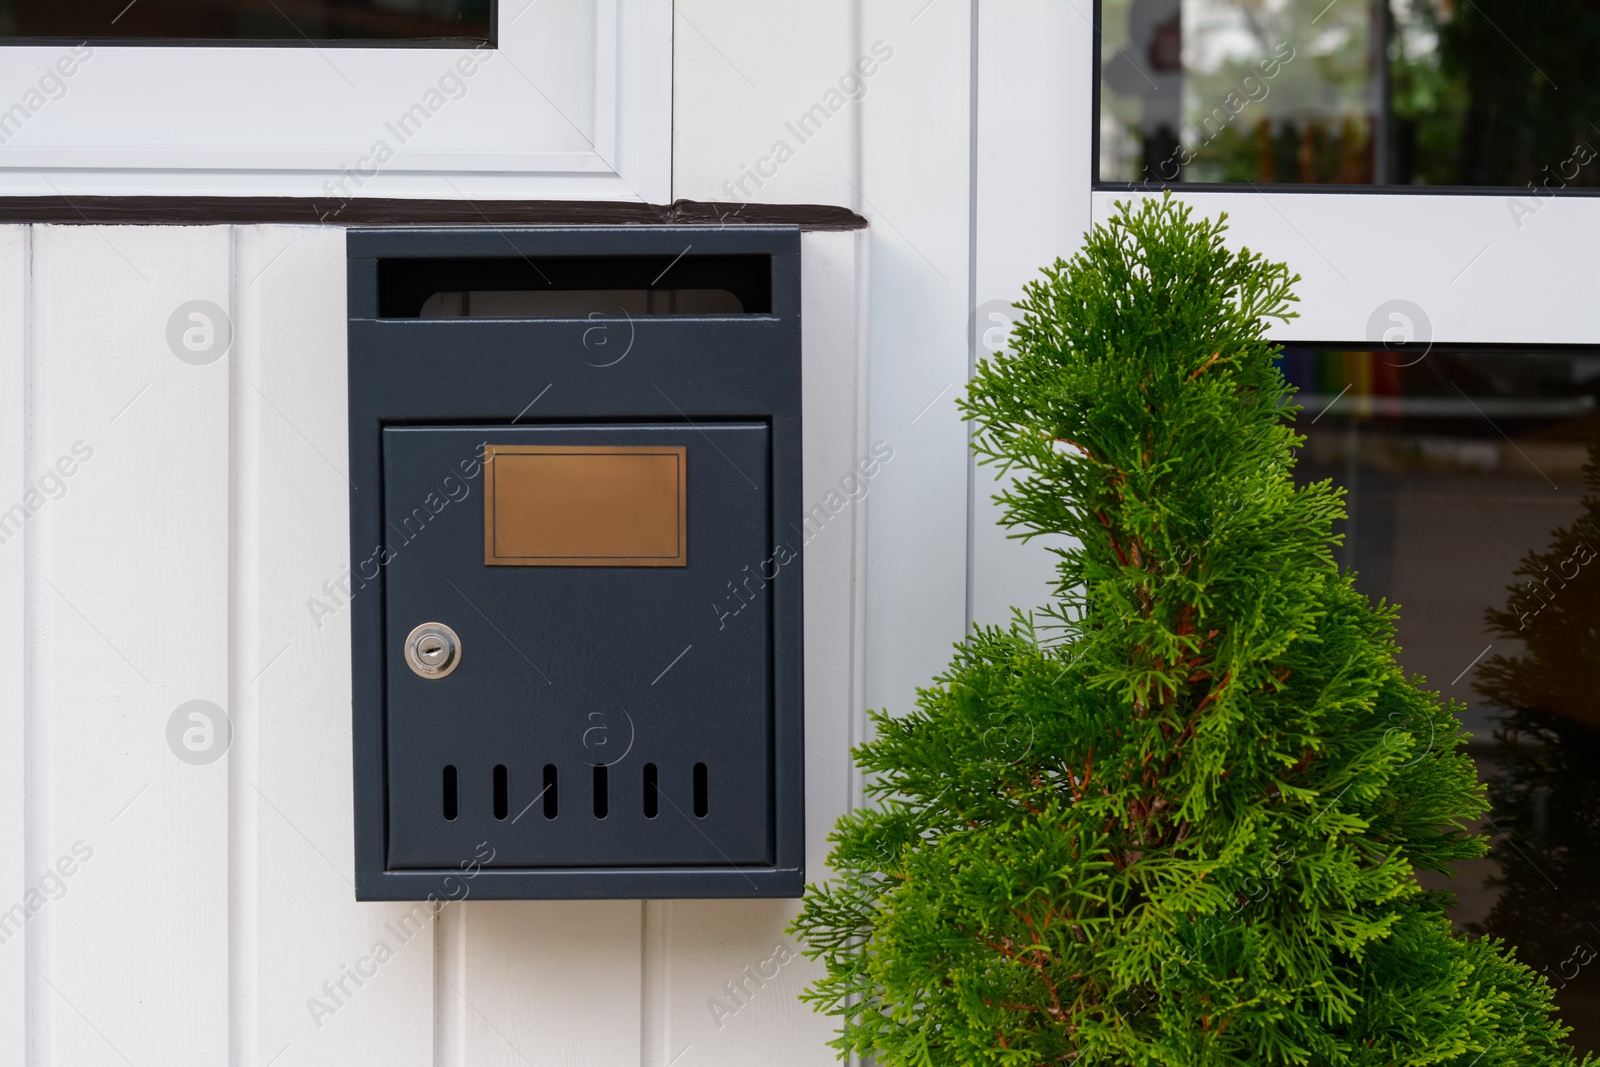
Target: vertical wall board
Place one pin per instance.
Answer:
(915, 191)
(747, 128)
(744, 79)
(841, 474)
(128, 622)
(707, 944)
(14, 478)
(1033, 59)
(734, 983)
(317, 978)
(549, 983)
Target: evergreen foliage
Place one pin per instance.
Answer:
(1177, 824)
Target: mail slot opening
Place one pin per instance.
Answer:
(575, 287)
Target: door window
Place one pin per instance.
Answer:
(1349, 92)
(1472, 477)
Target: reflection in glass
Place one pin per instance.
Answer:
(1465, 473)
(297, 22)
(1547, 780)
(1401, 92)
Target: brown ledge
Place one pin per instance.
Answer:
(221, 210)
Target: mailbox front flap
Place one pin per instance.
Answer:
(603, 711)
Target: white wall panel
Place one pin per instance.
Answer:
(1484, 268)
(1034, 59)
(734, 984)
(548, 983)
(296, 924)
(746, 75)
(837, 444)
(915, 191)
(13, 642)
(128, 620)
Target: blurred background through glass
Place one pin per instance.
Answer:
(1386, 92)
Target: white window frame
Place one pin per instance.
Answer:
(1478, 276)
(574, 103)
(1484, 264)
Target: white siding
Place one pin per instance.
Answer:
(13, 648)
(295, 921)
(128, 618)
(177, 565)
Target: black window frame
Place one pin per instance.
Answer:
(492, 40)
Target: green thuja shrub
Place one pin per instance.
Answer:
(1178, 823)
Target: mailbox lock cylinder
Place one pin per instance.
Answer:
(433, 650)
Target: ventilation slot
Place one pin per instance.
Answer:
(575, 287)
(652, 799)
(502, 801)
(702, 800)
(450, 791)
(549, 790)
(601, 800)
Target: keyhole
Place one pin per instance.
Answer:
(433, 650)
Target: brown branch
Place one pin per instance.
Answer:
(1185, 625)
(1113, 535)
(1013, 1006)
(1080, 448)
(1216, 692)
(1205, 366)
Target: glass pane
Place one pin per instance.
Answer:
(1473, 482)
(1402, 92)
(283, 21)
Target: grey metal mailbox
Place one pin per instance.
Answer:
(572, 452)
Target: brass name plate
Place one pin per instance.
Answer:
(583, 506)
